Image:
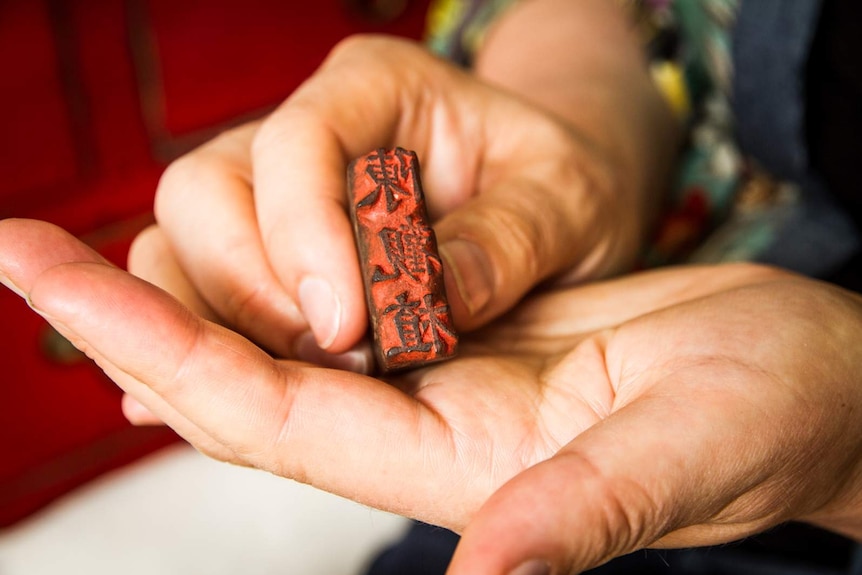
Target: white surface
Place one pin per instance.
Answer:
(178, 512)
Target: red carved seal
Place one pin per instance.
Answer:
(402, 272)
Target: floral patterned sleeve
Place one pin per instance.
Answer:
(456, 28)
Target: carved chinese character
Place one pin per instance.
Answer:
(437, 325)
(407, 252)
(389, 171)
(403, 275)
(408, 323)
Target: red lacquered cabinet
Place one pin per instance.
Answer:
(98, 96)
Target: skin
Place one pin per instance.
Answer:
(521, 189)
(675, 408)
(682, 407)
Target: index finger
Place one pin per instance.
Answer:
(361, 99)
(339, 431)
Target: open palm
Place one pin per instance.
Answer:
(588, 422)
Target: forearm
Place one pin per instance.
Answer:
(583, 61)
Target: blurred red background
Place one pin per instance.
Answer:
(97, 97)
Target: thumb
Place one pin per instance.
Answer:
(503, 242)
(561, 516)
(652, 474)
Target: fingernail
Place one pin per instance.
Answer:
(4, 279)
(136, 413)
(532, 567)
(321, 308)
(357, 360)
(471, 271)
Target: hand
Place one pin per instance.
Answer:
(680, 407)
(253, 231)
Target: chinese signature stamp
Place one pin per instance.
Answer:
(402, 272)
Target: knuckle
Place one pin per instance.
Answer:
(180, 179)
(245, 305)
(522, 241)
(272, 134)
(212, 163)
(350, 45)
(283, 430)
(626, 515)
(358, 57)
(758, 273)
(187, 178)
(536, 233)
(525, 241)
(144, 249)
(361, 46)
